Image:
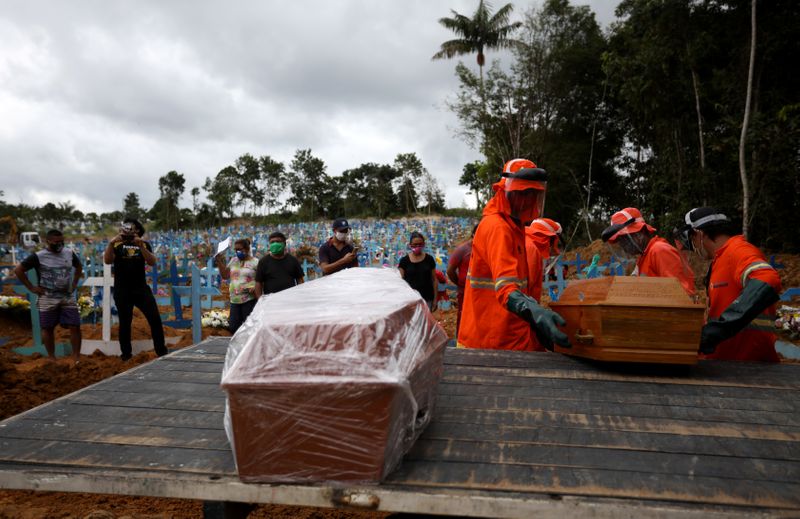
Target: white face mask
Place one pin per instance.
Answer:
(342, 236)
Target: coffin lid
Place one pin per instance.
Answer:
(633, 291)
(360, 324)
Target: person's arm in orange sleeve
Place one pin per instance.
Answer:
(760, 290)
(534, 260)
(670, 265)
(508, 289)
(503, 262)
(754, 266)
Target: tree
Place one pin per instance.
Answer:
(474, 176)
(171, 187)
(195, 192)
(676, 80)
(249, 174)
(547, 106)
(112, 218)
(222, 191)
(309, 184)
(378, 183)
(273, 181)
(409, 169)
(131, 207)
(664, 68)
(745, 123)
(431, 194)
(49, 212)
(66, 211)
(483, 31)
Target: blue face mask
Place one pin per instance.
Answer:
(241, 255)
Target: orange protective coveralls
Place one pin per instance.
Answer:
(734, 263)
(662, 260)
(498, 267)
(537, 247)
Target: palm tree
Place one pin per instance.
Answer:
(481, 32)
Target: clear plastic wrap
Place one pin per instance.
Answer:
(332, 380)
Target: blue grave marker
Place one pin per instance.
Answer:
(61, 350)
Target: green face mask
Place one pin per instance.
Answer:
(277, 248)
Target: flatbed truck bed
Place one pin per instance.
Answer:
(514, 434)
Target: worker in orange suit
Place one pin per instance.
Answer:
(541, 243)
(742, 291)
(498, 314)
(655, 256)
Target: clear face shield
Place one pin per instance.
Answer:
(629, 246)
(681, 238)
(625, 245)
(526, 198)
(696, 237)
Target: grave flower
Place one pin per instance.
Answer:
(86, 306)
(14, 303)
(215, 319)
(789, 320)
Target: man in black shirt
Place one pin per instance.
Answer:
(338, 253)
(129, 253)
(277, 270)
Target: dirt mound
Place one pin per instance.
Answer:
(26, 382)
(587, 252)
(789, 269)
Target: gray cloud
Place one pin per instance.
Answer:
(102, 98)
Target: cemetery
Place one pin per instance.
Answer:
(252, 218)
(192, 300)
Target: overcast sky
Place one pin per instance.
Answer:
(101, 98)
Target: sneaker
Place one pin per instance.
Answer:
(125, 356)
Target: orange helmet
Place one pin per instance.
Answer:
(525, 186)
(626, 221)
(548, 228)
(514, 165)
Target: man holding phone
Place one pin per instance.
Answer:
(338, 252)
(129, 253)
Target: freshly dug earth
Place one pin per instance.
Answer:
(27, 382)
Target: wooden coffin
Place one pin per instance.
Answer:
(631, 319)
(332, 380)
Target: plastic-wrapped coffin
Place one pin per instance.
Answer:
(332, 380)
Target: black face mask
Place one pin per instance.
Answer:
(57, 247)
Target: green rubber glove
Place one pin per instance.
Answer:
(543, 321)
(753, 300)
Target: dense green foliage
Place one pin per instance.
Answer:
(648, 115)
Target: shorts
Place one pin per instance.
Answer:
(55, 310)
